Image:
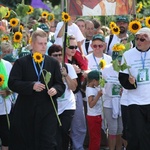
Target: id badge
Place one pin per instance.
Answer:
(142, 75)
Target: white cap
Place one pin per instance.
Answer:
(146, 32)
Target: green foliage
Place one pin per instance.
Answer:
(3, 12)
(22, 10)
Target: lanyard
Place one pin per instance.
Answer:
(41, 68)
(98, 67)
(143, 59)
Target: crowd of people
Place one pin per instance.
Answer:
(72, 107)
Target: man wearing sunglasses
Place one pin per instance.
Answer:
(136, 80)
(99, 46)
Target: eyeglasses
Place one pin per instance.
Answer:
(56, 55)
(99, 46)
(73, 47)
(141, 39)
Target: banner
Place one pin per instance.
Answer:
(39, 4)
(101, 7)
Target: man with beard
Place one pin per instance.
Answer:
(122, 22)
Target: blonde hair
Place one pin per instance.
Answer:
(6, 45)
(37, 33)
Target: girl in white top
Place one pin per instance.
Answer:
(94, 110)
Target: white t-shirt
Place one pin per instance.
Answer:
(124, 98)
(89, 48)
(67, 100)
(135, 59)
(112, 87)
(92, 63)
(97, 109)
(8, 66)
(72, 30)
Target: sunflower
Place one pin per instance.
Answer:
(5, 38)
(7, 15)
(51, 17)
(65, 17)
(112, 24)
(102, 63)
(37, 57)
(1, 79)
(147, 22)
(17, 37)
(139, 8)
(134, 26)
(14, 22)
(115, 30)
(30, 11)
(44, 14)
(118, 47)
(21, 27)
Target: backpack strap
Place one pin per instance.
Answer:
(110, 39)
(66, 67)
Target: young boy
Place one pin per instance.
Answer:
(94, 109)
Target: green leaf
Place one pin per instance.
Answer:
(3, 11)
(22, 10)
(47, 77)
(116, 65)
(127, 46)
(34, 27)
(102, 82)
(124, 66)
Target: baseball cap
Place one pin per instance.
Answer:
(144, 31)
(98, 37)
(94, 74)
(44, 27)
(122, 19)
(10, 58)
(24, 53)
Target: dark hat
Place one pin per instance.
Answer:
(10, 58)
(122, 19)
(94, 74)
(98, 37)
(44, 27)
(24, 53)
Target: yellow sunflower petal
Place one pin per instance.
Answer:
(134, 26)
(65, 17)
(5, 38)
(14, 22)
(147, 22)
(1, 79)
(17, 37)
(31, 10)
(38, 58)
(102, 63)
(115, 30)
(140, 6)
(44, 14)
(7, 15)
(112, 24)
(51, 17)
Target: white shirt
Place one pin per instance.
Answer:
(8, 66)
(97, 109)
(140, 95)
(67, 100)
(112, 87)
(92, 63)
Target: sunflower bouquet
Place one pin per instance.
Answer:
(38, 58)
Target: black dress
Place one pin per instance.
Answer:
(33, 119)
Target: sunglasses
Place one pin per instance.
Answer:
(141, 39)
(56, 55)
(99, 46)
(73, 47)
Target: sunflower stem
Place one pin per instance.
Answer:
(7, 114)
(51, 98)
